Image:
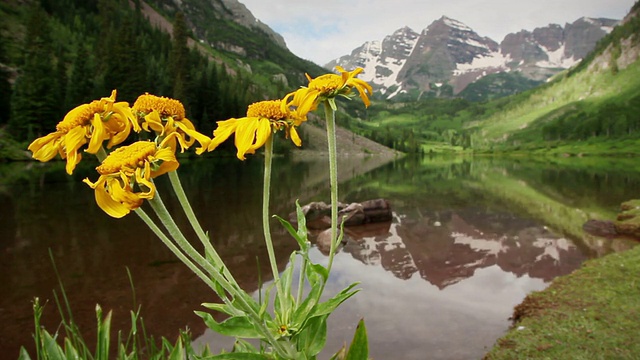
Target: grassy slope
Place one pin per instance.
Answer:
(593, 313)
(594, 87)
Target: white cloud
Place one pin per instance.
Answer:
(324, 30)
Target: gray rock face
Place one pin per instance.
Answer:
(450, 53)
(211, 10)
(240, 14)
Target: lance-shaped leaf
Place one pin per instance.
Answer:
(237, 356)
(313, 338)
(328, 306)
(236, 326)
(359, 348)
(306, 307)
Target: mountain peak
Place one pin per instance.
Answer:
(455, 24)
(451, 53)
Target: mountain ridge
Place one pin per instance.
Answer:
(445, 57)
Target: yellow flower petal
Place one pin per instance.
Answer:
(225, 129)
(98, 136)
(45, 148)
(72, 142)
(263, 132)
(245, 133)
(110, 206)
(295, 137)
(187, 127)
(123, 195)
(153, 122)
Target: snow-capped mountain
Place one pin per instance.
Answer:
(448, 55)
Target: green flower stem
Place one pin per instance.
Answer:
(243, 298)
(193, 220)
(101, 154)
(174, 231)
(165, 240)
(266, 192)
(333, 178)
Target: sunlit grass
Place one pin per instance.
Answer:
(589, 314)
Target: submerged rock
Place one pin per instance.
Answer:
(604, 228)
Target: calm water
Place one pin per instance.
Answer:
(469, 239)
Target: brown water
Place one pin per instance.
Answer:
(469, 239)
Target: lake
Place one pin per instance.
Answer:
(470, 237)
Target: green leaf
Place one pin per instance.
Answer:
(302, 243)
(51, 348)
(223, 308)
(70, 352)
(236, 356)
(286, 278)
(359, 348)
(178, 351)
(265, 303)
(313, 269)
(24, 355)
(104, 329)
(243, 346)
(236, 326)
(328, 306)
(313, 338)
(306, 306)
(302, 228)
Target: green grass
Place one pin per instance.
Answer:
(593, 313)
(593, 147)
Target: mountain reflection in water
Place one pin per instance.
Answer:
(446, 251)
(468, 240)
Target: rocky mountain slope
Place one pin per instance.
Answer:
(448, 55)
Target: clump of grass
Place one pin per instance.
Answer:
(67, 342)
(593, 313)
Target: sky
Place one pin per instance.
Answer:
(324, 30)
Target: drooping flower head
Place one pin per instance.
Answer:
(91, 123)
(328, 87)
(125, 176)
(262, 120)
(164, 116)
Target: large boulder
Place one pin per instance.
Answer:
(318, 214)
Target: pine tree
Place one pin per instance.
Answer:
(125, 67)
(61, 84)
(5, 86)
(179, 57)
(34, 106)
(79, 90)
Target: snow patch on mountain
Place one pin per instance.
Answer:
(495, 60)
(557, 59)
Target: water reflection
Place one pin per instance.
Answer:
(446, 251)
(468, 240)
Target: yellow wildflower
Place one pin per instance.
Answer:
(127, 169)
(95, 122)
(329, 86)
(165, 116)
(263, 118)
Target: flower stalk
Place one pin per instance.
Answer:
(266, 194)
(333, 177)
(210, 251)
